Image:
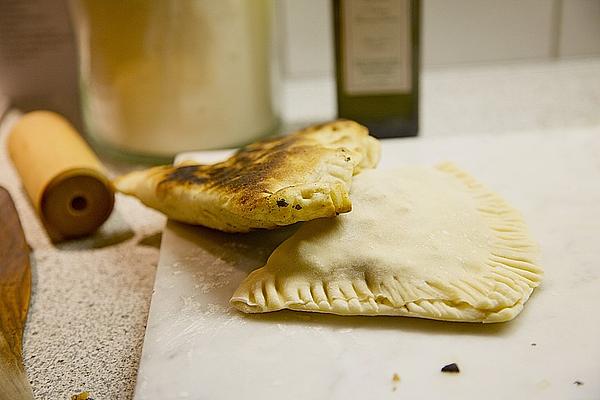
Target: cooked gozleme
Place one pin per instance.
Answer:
(275, 182)
(419, 242)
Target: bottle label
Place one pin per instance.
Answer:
(376, 46)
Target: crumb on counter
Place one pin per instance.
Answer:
(81, 396)
(395, 381)
(452, 368)
(578, 383)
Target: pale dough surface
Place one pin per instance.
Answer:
(421, 242)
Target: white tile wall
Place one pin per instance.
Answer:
(467, 31)
(580, 28)
(307, 45)
(454, 32)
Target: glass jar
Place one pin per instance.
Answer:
(161, 77)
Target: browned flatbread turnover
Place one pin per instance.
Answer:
(275, 182)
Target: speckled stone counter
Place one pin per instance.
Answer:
(91, 297)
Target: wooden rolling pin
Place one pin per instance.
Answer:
(64, 179)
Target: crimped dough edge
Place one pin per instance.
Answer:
(514, 275)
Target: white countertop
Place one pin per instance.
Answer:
(91, 297)
(199, 347)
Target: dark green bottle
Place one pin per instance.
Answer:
(377, 62)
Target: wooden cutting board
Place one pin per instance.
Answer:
(197, 347)
(15, 290)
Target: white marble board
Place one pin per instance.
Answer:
(197, 347)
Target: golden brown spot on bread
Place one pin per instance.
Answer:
(248, 172)
(186, 174)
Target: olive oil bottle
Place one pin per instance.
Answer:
(377, 62)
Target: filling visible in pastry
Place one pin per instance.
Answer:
(419, 242)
